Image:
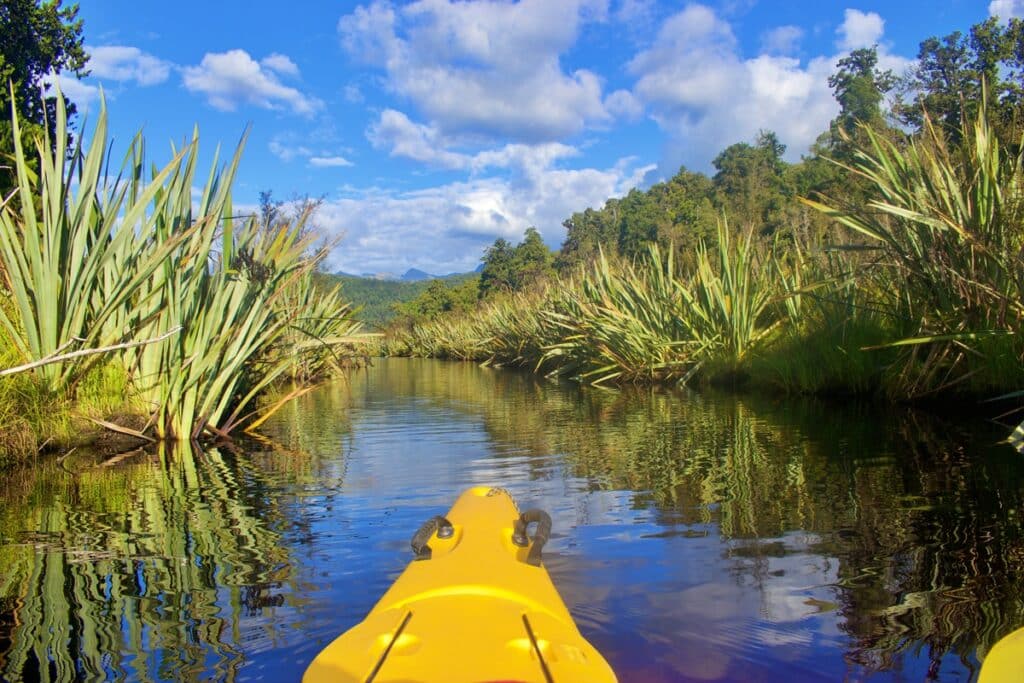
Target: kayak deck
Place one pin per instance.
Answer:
(476, 608)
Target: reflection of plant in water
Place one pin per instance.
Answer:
(954, 552)
(929, 539)
(144, 569)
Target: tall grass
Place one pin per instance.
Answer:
(647, 321)
(228, 306)
(510, 330)
(322, 335)
(948, 219)
(728, 304)
(93, 260)
(625, 324)
(56, 262)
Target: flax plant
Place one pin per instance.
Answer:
(728, 303)
(518, 330)
(625, 324)
(948, 218)
(213, 309)
(56, 261)
(650, 322)
(645, 321)
(321, 333)
(511, 330)
(204, 378)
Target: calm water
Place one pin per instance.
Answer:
(696, 538)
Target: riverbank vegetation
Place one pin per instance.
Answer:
(125, 293)
(887, 263)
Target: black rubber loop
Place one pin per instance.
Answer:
(541, 534)
(422, 537)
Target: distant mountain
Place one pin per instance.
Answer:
(417, 274)
(411, 275)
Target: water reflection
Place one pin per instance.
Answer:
(142, 570)
(904, 531)
(697, 537)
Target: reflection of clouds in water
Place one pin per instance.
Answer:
(700, 664)
(799, 587)
(710, 601)
(705, 568)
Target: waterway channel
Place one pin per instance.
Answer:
(697, 537)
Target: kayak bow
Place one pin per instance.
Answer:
(1005, 661)
(476, 604)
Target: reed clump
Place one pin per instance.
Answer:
(196, 310)
(947, 219)
(914, 293)
(644, 321)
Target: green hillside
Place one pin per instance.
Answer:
(376, 298)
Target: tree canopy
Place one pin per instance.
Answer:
(512, 269)
(39, 39)
(952, 71)
(860, 88)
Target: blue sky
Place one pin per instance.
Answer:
(433, 127)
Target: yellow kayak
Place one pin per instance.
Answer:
(475, 605)
(1005, 661)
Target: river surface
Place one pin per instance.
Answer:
(696, 537)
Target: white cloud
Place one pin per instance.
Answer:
(705, 95)
(624, 105)
(286, 151)
(446, 228)
(281, 64)
(692, 63)
(329, 162)
(782, 40)
(635, 11)
(286, 148)
(486, 68)
(531, 160)
(395, 131)
(82, 94)
(124, 63)
(233, 78)
(859, 29)
(353, 94)
(369, 34)
(1006, 9)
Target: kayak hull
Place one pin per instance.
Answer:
(1005, 661)
(476, 610)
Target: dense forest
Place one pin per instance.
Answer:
(886, 261)
(379, 303)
